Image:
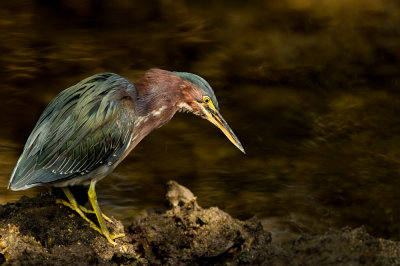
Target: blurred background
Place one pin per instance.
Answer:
(311, 88)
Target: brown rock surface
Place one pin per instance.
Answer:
(39, 232)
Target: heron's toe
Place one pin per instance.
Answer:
(114, 236)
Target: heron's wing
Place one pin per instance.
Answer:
(84, 127)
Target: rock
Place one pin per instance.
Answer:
(178, 195)
(345, 246)
(188, 234)
(39, 231)
(36, 231)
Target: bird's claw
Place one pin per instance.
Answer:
(110, 237)
(117, 235)
(81, 210)
(84, 209)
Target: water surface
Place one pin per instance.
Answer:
(311, 89)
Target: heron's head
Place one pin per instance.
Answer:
(199, 98)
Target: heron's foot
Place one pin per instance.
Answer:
(77, 209)
(117, 235)
(106, 234)
(110, 237)
(81, 210)
(84, 209)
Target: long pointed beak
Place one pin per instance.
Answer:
(216, 118)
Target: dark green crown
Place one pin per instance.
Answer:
(200, 83)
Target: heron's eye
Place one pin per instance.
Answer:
(206, 99)
(209, 103)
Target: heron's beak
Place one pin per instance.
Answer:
(216, 118)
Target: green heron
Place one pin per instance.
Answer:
(89, 128)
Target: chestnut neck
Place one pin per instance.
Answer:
(158, 93)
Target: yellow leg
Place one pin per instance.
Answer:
(73, 204)
(97, 211)
(85, 210)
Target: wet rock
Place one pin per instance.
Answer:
(178, 195)
(336, 247)
(39, 232)
(188, 234)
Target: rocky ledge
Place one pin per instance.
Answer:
(38, 231)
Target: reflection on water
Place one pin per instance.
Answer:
(310, 88)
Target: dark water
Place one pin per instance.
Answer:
(311, 88)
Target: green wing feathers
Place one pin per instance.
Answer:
(84, 127)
